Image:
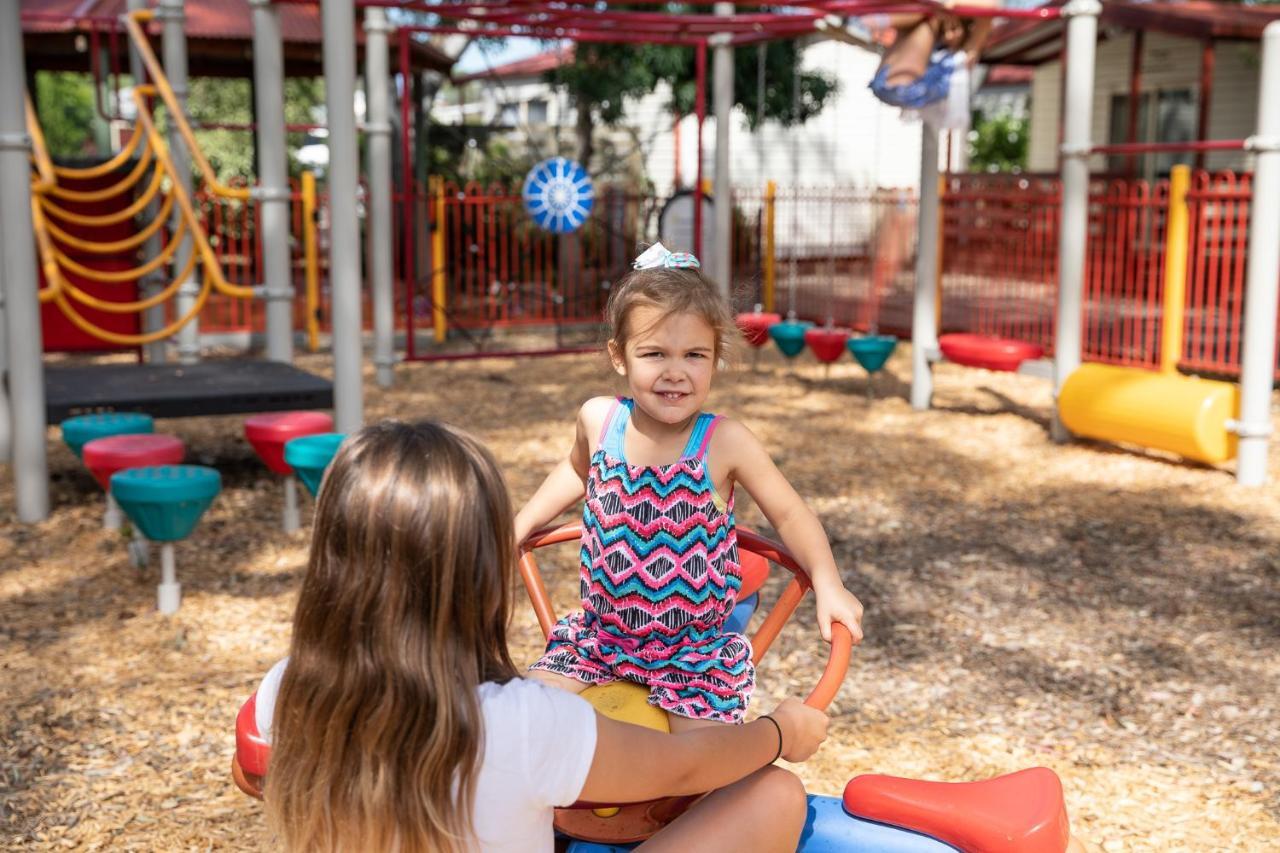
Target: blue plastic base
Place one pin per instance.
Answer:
(828, 829)
(741, 615)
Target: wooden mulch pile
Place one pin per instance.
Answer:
(1110, 615)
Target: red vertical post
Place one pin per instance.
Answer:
(700, 106)
(1135, 94)
(407, 231)
(1207, 61)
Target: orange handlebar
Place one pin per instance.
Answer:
(841, 640)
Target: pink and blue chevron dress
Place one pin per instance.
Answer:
(659, 576)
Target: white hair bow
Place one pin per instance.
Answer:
(658, 255)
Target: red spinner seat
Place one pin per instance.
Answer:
(989, 352)
(1019, 812)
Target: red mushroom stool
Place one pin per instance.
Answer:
(827, 344)
(268, 433)
(755, 329)
(105, 456)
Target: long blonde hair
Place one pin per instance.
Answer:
(402, 614)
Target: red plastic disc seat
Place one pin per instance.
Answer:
(105, 456)
(1020, 812)
(827, 344)
(755, 326)
(253, 754)
(755, 571)
(269, 432)
(989, 352)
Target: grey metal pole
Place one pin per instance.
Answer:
(171, 13)
(339, 26)
(722, 104)
(1082, 34)
(1258, 357)
(924, 319)
(18, 278)
(377, 130)
(272, 191)
(153, 317)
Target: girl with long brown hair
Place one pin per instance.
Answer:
(398, 721)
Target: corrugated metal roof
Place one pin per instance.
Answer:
(226, 20)
(527, 67)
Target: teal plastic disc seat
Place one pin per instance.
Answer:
(789, 336)
(310, 455)
(872, 351)
(82, 429)
(166, 501)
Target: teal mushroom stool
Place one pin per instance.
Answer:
(872, 351)
(82, 429)
(166, 503)
(789, 336)
(310, 455)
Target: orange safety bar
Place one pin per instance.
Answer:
(841, 640)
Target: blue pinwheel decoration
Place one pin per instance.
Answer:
(558, 195)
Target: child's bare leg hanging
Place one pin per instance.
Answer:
(680, 724)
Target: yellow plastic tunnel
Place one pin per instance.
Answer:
(1163, 411)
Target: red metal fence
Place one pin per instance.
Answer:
(844, 255)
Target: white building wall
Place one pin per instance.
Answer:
(854, 141)
(1168, 62)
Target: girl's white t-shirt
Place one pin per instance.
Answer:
(539, 742)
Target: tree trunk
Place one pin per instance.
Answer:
(585, 146)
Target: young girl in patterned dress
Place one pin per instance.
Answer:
(659, 557)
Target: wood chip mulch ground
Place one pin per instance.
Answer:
(1110, 615)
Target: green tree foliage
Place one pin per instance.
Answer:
(218, 101)
(602, 76)
(65, 101)
(998, 143)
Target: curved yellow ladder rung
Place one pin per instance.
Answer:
(52, 275)
(123, 338)
(212, 265)
(118, 160)
(129, 307)
(131, 242)
(107, 192)
(160, 84)
(118, 276)
(108, 218)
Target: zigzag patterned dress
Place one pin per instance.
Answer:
(659, 577)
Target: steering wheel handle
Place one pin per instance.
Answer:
(841, 639)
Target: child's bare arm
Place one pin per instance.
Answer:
(750, 465)
(563, 487)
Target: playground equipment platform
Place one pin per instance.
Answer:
(183, 390)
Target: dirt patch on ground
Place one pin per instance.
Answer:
(1109, 615)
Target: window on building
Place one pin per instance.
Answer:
(1164, 116)
(538, 111)
(509, 115)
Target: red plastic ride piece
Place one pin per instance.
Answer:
(755, 571)
(827, 344)
(105, 456)
(269, 432)
(755, 327)
(253, 754)
(1020, 812)
(989, 352)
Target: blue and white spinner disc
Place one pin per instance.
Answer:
(558, 195)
